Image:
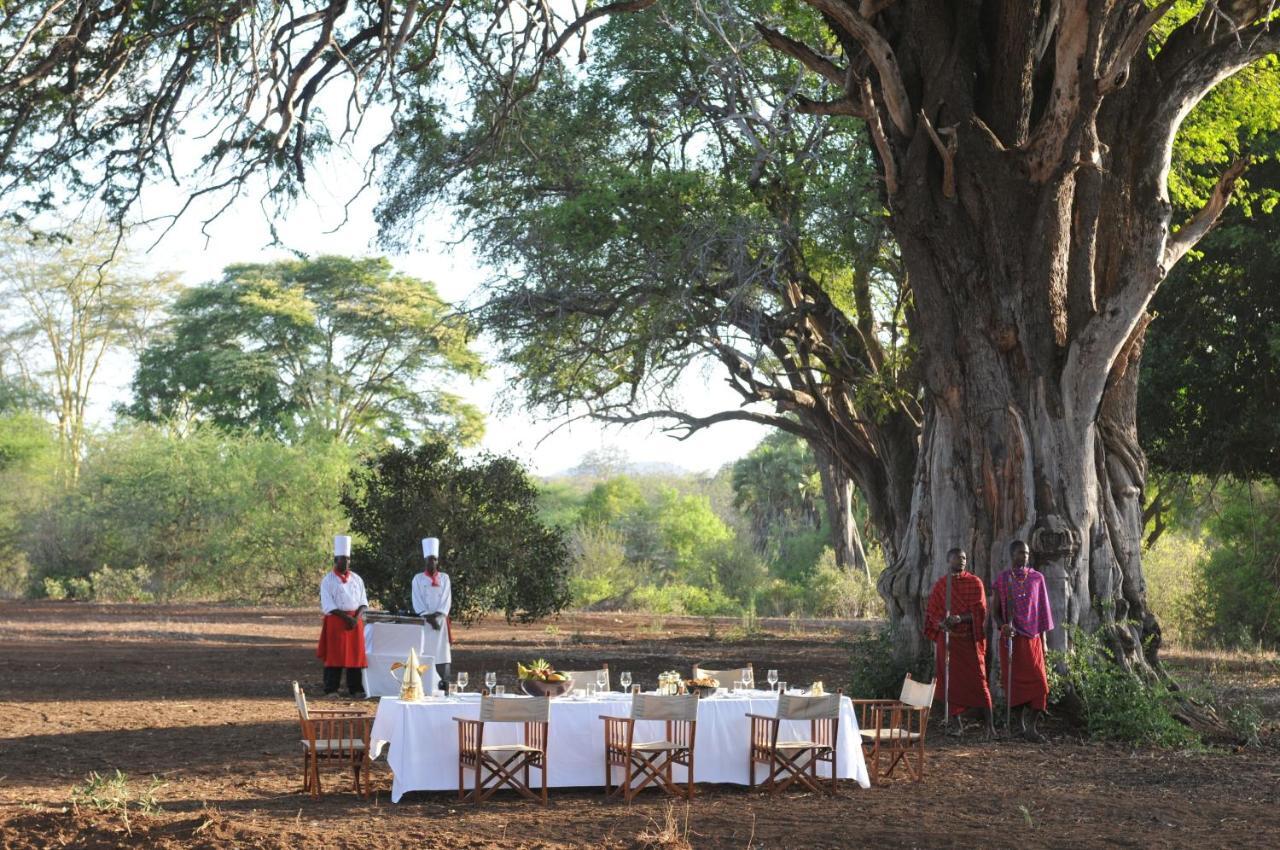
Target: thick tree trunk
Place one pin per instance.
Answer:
(838, 494)
(1016, 445)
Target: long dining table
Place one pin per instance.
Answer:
(421, 739)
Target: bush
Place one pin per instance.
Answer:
(80, 588)
(1115, 705)
(843, 594)
(684, 599)
(598, 570)
(497, 552)
(877, 670)
(122, 585)
(54, 588)
(199, 511)
(1242, 575)
(1174, 571)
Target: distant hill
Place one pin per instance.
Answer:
(640, 469)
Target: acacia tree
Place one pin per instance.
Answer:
(338, 346)
(71, 302)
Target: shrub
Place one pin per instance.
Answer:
(877, 669)
(484, 509)
(598, 570)
(1115, 705)
(683, 599)
(840, 593)
(1174, 570)
(54, 588)
(79, 588)
(121, 585)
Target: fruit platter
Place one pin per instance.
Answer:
(706, 686)
(539, 679)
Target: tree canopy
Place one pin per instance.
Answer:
(332, 345)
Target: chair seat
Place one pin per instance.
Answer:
(802, 745)
(509, 748)
(332, 744)
(658, 746)
(890, 734)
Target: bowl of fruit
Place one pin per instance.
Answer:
(704, 687)
(539, 679)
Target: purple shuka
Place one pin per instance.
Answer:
(1028, 597)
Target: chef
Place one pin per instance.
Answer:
(432, 600)
(342, 600)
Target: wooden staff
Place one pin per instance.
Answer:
(946, 655)
(1008, 691)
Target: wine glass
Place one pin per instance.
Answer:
(772, 676)
(602, 680)
(625, 680)
(490, 679)
(463, 678)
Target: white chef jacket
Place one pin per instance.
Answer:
(338, 596)
(430, 599)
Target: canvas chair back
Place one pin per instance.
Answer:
(916, 694)
(796, 707)
(515, 709)
(301, 700)
(724, 677)
(582, 678)
(656, 707)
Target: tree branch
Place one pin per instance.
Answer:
(878, 137)
(946, 151)
(896, 100)
(1203, 221)
(804, 54)
(843, 106)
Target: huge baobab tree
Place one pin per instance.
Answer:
(1025, 149)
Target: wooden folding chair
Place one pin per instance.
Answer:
(651, 761)
(725, 677)
(582, 678)
(896, 728)
(333, 735)
(797, 761)
(495, 766)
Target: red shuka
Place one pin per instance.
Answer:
(968, 686)
(1030, 682)
(340, 646)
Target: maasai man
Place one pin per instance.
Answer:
(1023, 613)
(967, 689)
(433, 599)
(343, 600)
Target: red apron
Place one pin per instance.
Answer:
(340, 646)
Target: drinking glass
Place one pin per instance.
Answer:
(782, 687)
(602, 680)
(625, 680)
(490, 679)
(499, 690)
(453, 689)
(772, 676)
(463, 678)
(591, 690)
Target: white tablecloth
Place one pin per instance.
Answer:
(423, 740)
(387, 643)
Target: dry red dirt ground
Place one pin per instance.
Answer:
(199, 698)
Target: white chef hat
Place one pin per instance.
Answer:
(430, 547)
(342, 546)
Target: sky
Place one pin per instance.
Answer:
(242, 234)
